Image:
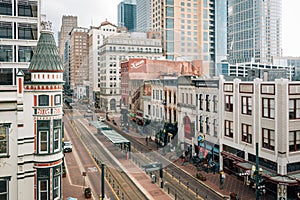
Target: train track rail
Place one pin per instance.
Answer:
(175, 180)
(119, 181)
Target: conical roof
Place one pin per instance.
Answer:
(46, 57)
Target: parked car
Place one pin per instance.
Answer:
(67, 146)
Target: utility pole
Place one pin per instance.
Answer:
(102, 181)
(256, 173)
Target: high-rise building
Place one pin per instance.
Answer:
(20, 27)
(67, 24)
(79, 55)
(217, 34)
(143, 15)
(254, 30)
(179, 23)
(127, 15)
(190, 30)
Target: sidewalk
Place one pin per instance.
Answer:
(232, 183)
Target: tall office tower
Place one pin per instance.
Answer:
(67, 24)
(215, 51)
(254, 30)
(79, 54)
(66, 63)
(127, 14)
(143, 15)
(20, 27)
(179, 23)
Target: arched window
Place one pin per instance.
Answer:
(113, 104)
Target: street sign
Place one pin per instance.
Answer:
(201, 138)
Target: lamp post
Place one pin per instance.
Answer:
(259, 187)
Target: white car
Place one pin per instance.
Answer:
(101, 119)
(67, 146)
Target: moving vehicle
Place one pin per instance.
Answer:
(67, 146)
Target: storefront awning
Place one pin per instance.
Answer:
(283, 180)
(270, 176)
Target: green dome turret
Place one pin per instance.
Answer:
(46, 57)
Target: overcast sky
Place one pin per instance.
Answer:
(93, 12)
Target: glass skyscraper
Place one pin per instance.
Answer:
(143, 15)
(127, 15)
(254, 30)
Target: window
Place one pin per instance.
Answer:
(215, 103)
(43, 141)
(229, 103)
(153, 94)
(6, 53)
(5, 8)
(186, 98)
(43, 100)
(161, 95)
(27, 9)
(294, 108)
(174, 100)
(228, 128)
(4, 183)
(201, 102)
(56, 182)
(268, 108)
(207, 102)
(27, 31)
(247, 105)
(56, 134)
(268, 137)
(215, 128)
(246, 133)
(201, 124)
(6, 30)
(294, 140)
(25, 53)
(4, 139)
(170, 12)
(43, 181)
(57, 100)
(43, 136)
(207, 126)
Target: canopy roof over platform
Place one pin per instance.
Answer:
(109, 133)
(114, 137)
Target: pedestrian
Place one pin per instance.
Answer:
(222, 179)
(183, 158)
(147, 140)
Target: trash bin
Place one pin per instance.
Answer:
(153, 178)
